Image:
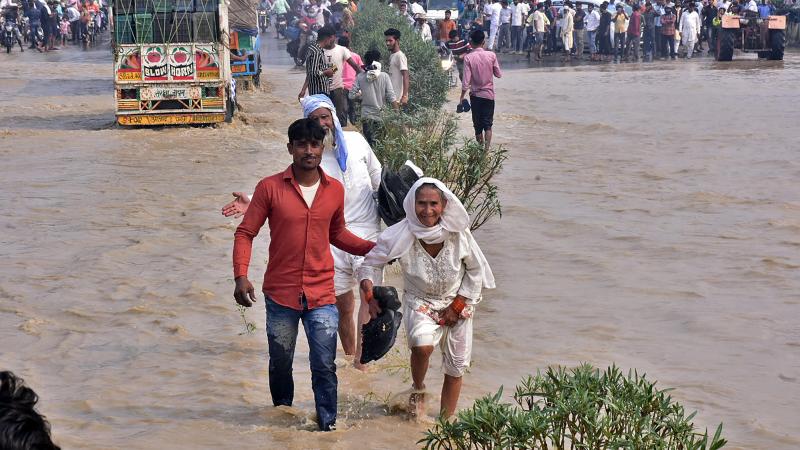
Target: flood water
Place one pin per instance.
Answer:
(651, 218)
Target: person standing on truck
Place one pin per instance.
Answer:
(338, 57)
(318, 71)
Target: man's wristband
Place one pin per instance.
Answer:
(458, 305)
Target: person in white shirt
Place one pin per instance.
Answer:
(422, 28)
(519, 13)
(495, 25)
(752, 6)
(398, 65)
(337, 56)
(504, 33)
(352, 162)
(567, 29)
(690, 29)
(444, 274)
(487, 15)
(540, 22)
(592, 24)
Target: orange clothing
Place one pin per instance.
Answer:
(300, 260)
(445, 26)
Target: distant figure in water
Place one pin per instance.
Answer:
(444, 273)
(21, 427)
(480, 67)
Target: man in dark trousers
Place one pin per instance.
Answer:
(480, 68)
(305, 209)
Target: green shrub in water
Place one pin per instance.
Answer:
(429, 138)
(428, 83)
(581, 408)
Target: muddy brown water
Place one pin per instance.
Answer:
(651, 218)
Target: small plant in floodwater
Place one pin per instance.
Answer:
(359, 406)
(581, 408)
(249, 327)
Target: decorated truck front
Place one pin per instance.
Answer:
(171, 63)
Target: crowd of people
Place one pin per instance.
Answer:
(44, 25)
(608, 30)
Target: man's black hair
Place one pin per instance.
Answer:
(452, 34)
(393, 32)
(325, 32)
(21, 427)
(371, 56)
(306, 130)
(477, 37)
(344, 41)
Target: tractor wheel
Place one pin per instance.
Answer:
(777, 39)
(725, 45)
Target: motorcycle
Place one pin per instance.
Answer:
(263, 20)
(280, 26)
(448, 62)
(300, 38)
(10, 33)
(91, 32)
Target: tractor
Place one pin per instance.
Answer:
(751, 34)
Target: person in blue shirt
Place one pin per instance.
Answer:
(765, 9)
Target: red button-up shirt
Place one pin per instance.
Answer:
(300, 260)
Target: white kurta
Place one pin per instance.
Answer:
(430, 285)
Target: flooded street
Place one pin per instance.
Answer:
(651, 218)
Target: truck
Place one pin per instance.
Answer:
(171, 62)
(751, 34)
(245, 42)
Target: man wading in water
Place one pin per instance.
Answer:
(305, 209)
(479, 68)
(349, 159)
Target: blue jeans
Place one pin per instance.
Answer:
(320, 325)
(591, 36)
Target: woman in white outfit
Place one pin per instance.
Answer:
(444, 273)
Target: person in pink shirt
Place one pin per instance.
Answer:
(480, 68)
(348, 78)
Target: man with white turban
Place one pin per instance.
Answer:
(349, 159)
(444, 273)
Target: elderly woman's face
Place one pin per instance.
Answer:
(429, 206)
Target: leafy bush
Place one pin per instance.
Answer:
(428, 83)
(429, 139)
(581, 408)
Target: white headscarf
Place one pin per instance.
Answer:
(401, 236)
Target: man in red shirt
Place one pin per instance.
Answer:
(305, 209)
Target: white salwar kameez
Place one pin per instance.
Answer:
(432, 283)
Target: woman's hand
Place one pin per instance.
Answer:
(366, 295)
(449, 317)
